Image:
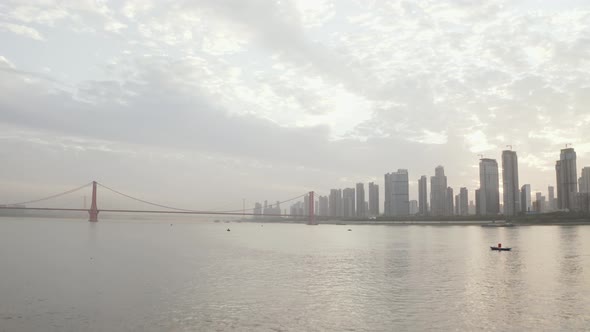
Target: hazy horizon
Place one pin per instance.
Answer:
(200, 104)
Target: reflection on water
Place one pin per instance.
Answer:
(181, 276)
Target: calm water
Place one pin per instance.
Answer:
(151, 276)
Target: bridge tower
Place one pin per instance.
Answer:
(93, 212)
(311, 220)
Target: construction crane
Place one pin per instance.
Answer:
(570, 144)
(509, 146)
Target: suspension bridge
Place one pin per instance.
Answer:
(94, 211)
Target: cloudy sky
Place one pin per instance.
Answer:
(202, 103)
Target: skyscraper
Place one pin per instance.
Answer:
(585, 180)
(373, 199)
(525, 198)
(348, 209)
(449, 202)
(567, 180)
(335, 205)
(510, 183)
(438, 192)
(323, 205)
(478, 202)
(489, 187)
(257, 209)
(552, 206)
(539, 205)
(397, 202)
(422, 196)
(463, 202)
(413, 207)
(360, 200)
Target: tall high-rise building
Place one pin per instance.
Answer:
(323, 205)
(585, 180)
(457, 204)
(551, 203)
(335, 204)
(348, 209)
(438, 192)
(489, 187)
(478, 202)
(450, 202)
(413, 207)
(373, 199)
(463, 201)
(471, 208)
(567, 179)
(397, 202)
(539, 204)
(510, 186)
(525, 198)
(257, 209)
(422, 196)
(360, 200)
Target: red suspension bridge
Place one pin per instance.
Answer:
(93, 211)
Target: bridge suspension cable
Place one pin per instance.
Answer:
(53, 196)
(187, 210)
(144, 201)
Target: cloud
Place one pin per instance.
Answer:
(22, 30)
(301, 93)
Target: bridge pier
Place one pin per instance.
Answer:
(93, 212)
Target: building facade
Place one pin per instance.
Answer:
(551, 203)
(397, 202)
(450, 202)
(584, 180)
(566, 179)
(348, 207)
(422, 196)
(489, 187)
(511, 191)
(438, 192)
(360, 200)
(335, 203)
(413, 207)
(373, 199)
(463, 201)
(525, 199)
(323, 205)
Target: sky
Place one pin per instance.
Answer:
(202, 104)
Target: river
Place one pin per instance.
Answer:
(173, 275)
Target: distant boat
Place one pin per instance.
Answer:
(228, 230)
(216, 220)
(498, 225)
(500, 248)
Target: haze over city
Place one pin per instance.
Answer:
(205, 103)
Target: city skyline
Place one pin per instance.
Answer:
(491, 198)
(196, 106)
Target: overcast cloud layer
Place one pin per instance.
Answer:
(202, 103)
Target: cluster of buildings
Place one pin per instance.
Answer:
(572, 194)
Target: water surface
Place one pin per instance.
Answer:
(171, 275)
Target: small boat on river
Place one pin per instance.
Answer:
(500, 248)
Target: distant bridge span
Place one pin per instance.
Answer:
(94, 211)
